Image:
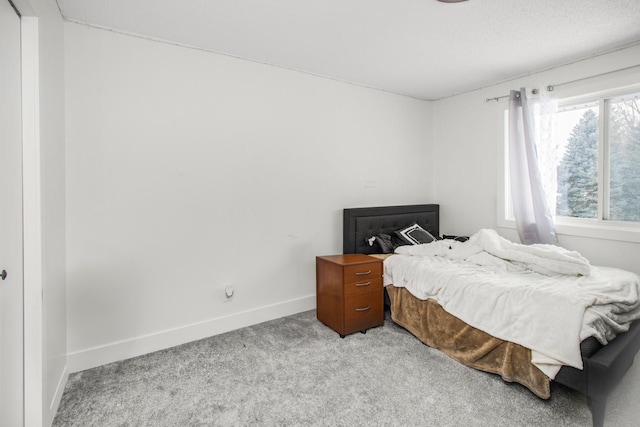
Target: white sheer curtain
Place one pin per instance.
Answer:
(530, 207)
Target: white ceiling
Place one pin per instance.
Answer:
(421, 48)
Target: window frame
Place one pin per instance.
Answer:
(599, 228)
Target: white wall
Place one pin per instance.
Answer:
(188, 171)
(467, 137)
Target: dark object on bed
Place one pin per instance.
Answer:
(604, 366)
(458, 238)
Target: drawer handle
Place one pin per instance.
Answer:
(363, 273)
(363, 284)
(364, 308)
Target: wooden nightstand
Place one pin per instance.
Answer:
(349, 295)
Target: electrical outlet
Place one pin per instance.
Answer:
(229, 292)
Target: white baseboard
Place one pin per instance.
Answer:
(57, 397)
(120, 350)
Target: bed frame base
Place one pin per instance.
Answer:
(606, 368)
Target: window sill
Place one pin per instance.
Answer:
(605, 230)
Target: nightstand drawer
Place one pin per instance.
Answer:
(363, 311)
(360, 272)
(363, 286)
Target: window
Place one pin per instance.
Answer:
(598, 172)
(595, 165)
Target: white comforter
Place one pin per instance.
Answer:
(543, 297)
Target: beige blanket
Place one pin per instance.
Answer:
(438, 329)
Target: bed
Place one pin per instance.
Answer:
(603, 366)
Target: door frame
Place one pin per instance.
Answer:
(31, 199)
(32, 238)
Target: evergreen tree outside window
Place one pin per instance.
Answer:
(624, 159)
(577, 194)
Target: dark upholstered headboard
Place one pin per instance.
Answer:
(362, 223)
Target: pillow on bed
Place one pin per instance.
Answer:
(415, 235)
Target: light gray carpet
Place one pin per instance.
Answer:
(296, 371)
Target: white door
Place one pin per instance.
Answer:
(11, 287)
